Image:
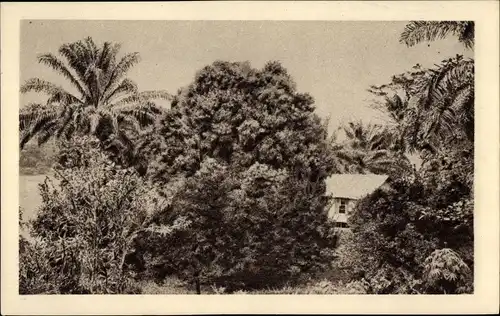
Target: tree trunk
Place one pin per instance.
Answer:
(197, 282)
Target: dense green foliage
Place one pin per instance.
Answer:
(446, 272)
(394, 232)
(240, 116)
(433, 109)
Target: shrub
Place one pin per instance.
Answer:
(395, 231)
(48, 267)
(86, 225)
(445, 272)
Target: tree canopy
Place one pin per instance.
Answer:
(240, 116)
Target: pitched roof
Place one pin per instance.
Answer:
(354, 186)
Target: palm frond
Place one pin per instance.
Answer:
(34, 122)
(445, 104)
(467, 35)
(76, 59)
(108, 55)
(144, 97)
(65, 121)
(91, 47)
(116, 74)
(47, 133)
(416, 32)
(56, 64)
(107, 62)
(376, 155)
(146, 114)
(39, 85)
(31, 113)
(127, 86)
(62, 98)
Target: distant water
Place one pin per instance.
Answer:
(29, 194)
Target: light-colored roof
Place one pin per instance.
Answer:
(354, 186)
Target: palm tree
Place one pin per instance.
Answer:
(445, 98)
(420, 31)
(438, 109)
(106, 103)
(432, 109)
(371, 148)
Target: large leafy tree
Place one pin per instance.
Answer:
(240, 116)
(420, 31)
(252, 229)
(104, 103)
(242, 155)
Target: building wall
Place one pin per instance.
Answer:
(334, 210)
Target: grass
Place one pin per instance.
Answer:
(316, 287)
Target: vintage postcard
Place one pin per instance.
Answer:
(250, 157)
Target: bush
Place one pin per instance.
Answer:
(395, 231)
(86, 225)
(445, 272)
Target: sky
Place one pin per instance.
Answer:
(334, 61)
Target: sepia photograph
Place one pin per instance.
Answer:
(245, 174)
(257, 157)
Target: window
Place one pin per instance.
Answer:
(341, 225)
(342, 206)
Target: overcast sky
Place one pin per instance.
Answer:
(333, 61)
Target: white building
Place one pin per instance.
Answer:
(346, 189)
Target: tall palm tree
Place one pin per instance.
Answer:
(437, 110)
(420, 31)
(371, 148)
(106, 103)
